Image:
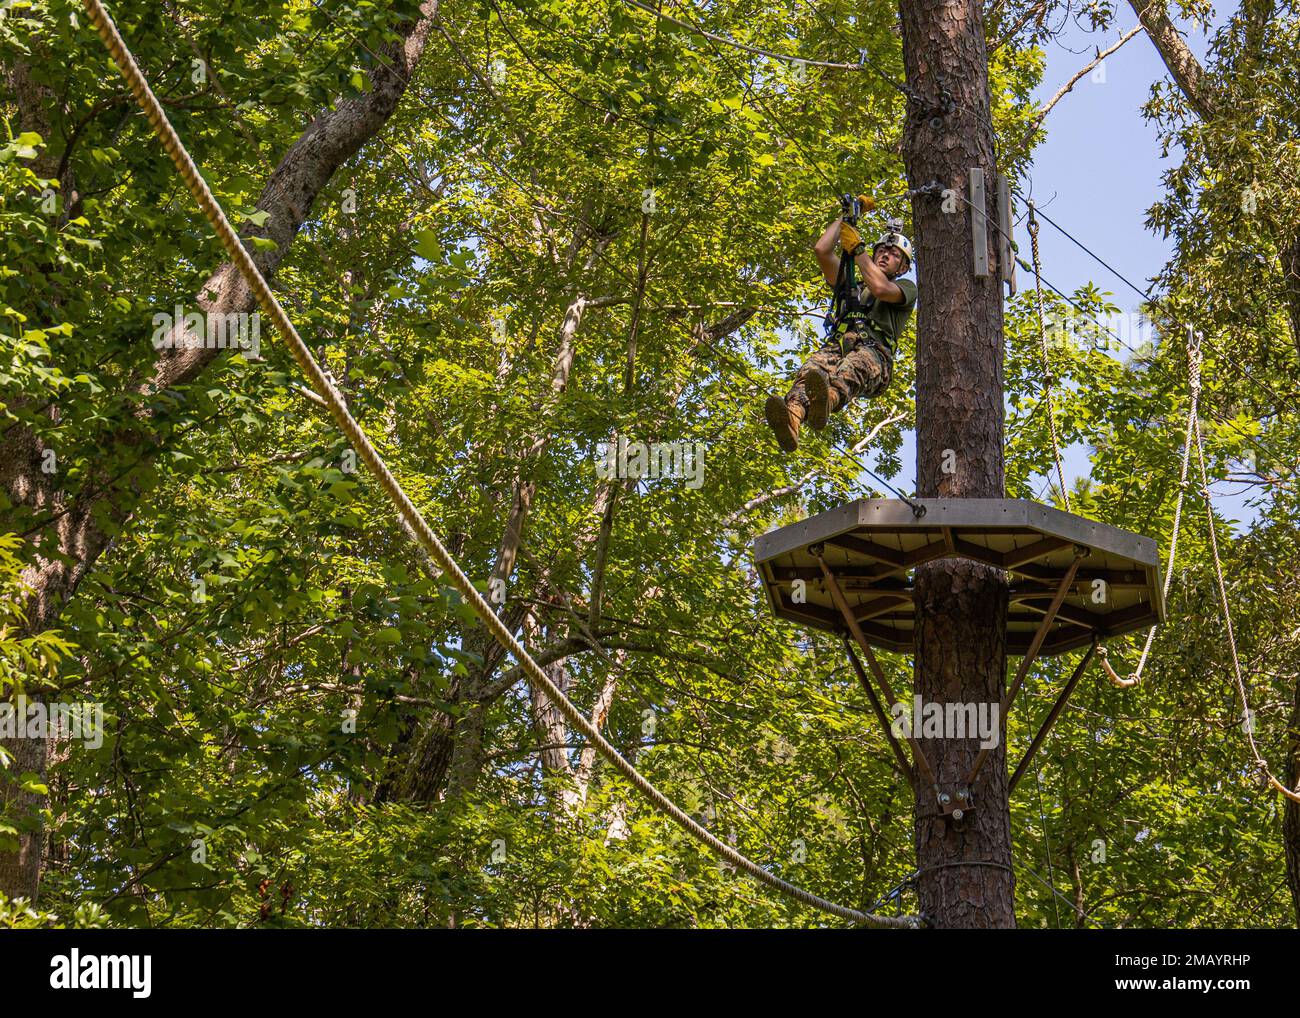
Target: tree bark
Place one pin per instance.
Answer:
(20, 872)
(1291, 287)
(1291, 812)
(1181, 61)
(965, 867)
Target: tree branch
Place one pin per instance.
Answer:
(1047, 107)
(1181, 62)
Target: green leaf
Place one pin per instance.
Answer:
(427, 246)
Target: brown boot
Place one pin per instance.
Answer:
(784, 419)
(822, 399)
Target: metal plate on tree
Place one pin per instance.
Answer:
(873, 545)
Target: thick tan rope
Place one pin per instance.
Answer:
(1194, 436)
(435, 554)
(1247, 718)
(1193, 411)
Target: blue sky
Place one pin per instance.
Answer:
(1096, 174)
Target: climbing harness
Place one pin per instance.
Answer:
(850, 314)
(845, 298)
(436, 556)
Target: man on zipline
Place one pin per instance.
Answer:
(858, 357)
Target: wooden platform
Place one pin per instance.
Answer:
(872, 546)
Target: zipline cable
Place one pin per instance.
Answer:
(1145, 295)
(1156, 365)
(413, 522)
(1048, 380)
(758, 385)
(1159, 303)
(1194, 434)
(740, 45)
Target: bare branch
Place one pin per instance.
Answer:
(1061, 93)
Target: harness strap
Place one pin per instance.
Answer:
(844, 325)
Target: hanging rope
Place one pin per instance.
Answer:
(1248, 719)
(1048, 379)
(1193, 411)
(435, 555)
(1194, 436)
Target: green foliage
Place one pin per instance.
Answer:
(18, 914)
(22, 657)
(274, 661)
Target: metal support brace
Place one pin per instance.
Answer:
(927, 772)
(979, 223)
(880, 711)
(1044, 627)
(1052, 716)
(1006, 252)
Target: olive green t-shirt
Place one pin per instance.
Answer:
(889, 320)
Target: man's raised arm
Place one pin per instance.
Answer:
(825, 251)
(881, 286)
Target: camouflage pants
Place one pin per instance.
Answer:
(863, 371)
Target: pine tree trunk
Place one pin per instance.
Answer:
(961, 606)
(1291, 811)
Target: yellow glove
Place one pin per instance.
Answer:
(851, 241)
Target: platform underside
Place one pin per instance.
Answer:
(873, 546)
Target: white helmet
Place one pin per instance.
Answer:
(896, 239)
